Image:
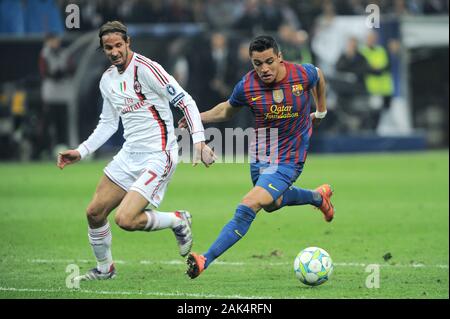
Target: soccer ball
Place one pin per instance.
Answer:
(313, 266)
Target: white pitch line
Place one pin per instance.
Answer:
(413, 265)
(226, 263)
(134, 293)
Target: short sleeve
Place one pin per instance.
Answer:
(312, 74)
(237, 98)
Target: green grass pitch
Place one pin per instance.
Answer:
(386, 203)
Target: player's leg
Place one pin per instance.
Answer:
(106, 198)
(233, 231)
(279, 184)
(264, 175)
(132, 215)
(295, 196)
(149, 188)
(319, 198)
(271, 181)
(244, 215)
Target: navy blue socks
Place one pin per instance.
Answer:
(297, 196)
(231, 233)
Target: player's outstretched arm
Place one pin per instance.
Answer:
(68, 157)
(220, 113)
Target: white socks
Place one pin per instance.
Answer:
(160, 220)
(100, 240)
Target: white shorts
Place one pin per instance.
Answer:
(146, 173)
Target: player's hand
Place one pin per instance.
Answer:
(315, 121)
(182, 123)
(203, 153)
(67, 157)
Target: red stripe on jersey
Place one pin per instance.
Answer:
(187, 115)
(152, 70)
(164, 175)
(293, 133)
(162, 126)
(305, 154)
(137, 85)
(268, 102)
(297, 150)
(249, 89)
(287, 126)
(306, 118)
(161, 73)
(305, 78)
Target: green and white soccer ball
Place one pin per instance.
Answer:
(313, 266)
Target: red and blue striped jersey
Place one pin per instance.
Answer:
(285, 107)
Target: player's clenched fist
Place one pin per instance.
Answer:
(67, 157)
(203, 153)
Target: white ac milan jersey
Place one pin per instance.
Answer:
(142, 96)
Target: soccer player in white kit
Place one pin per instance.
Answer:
(140, 92)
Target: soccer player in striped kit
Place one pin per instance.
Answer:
(279, 94)
(138, 91)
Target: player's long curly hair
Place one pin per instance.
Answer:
(111, 27)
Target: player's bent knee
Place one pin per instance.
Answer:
(96, 213)
(274, 206)
(254, 203)
(270, 208)
(125, 222)
(251, 203)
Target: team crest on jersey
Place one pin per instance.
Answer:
(278, 96)
(297, 89)
(137, 87)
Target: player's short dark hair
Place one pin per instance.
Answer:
(262, 43)
(112, 27)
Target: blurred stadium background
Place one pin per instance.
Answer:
(49, 81)
(388, 203)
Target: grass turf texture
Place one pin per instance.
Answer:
(393, 204)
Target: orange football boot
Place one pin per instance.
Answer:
(326, 207)
(196, 265)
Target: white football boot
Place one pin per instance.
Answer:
(95, 274)
(183, 232)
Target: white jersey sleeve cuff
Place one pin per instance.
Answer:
(198, 137)
(83, 150)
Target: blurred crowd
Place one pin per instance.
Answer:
(34, 16)
(362, 68)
